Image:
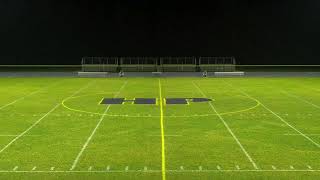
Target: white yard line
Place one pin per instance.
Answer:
(279, 117)
(301, 99)
(169, 171)
(38, 121)
(229, 129)
(30, 94)
(75, 162)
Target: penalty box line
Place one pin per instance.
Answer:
(75, 162)
(39, 120)
(229, 130)
(279, 117)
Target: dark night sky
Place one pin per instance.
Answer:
(255, 32)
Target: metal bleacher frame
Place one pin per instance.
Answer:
(100, 64)
(138, 64)
(217, 64)
(178, 64)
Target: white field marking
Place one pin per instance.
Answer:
(145, 168)
(279, 117)
(127, 168)
(301, 99)
(229, 129)
(218, 167)
(108, 168)
(168, 135)
(238, 167)
(291, 167)
(173, 171)
(75, 162)
(273, 167)
(90, 168)
(295, 134)
(14, 135)
(181, 168)
(15, 168)
(30, 94)
(200, 168)
(52, 168)
(34, 168)
(39, 120)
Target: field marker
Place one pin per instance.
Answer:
(75, 162)
(181, 168)
(163, 158)
(238, 167)
(90, 168)
(127, 168)
(218, 167)
(309, 167)
(15, 168)
(145, 168)
(30, 94)
(279, 117)
(273, 167)
(200, 168)
(301, 99)
(229, 129)
(291, 167)
(108, 168)
(34, 168)
(52, 168)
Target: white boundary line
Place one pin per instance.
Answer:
(39, 120)
(169, 171)
(229, 129)
(30, 94)
(299, 98)
(75, 162)
(279, 117)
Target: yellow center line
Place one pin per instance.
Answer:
(163, 158)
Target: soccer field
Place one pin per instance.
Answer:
(250, 128)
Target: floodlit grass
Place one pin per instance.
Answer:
(255, 128)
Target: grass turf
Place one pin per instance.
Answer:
(256, 128)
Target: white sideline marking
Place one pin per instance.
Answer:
(279, 117)
(75, 162)
(108, 168)
(292, 134)
(34, 168)
(30, 94)
(219, 168)
(127, 168)
(90, 168)
(229, 129)
(200, 168)
(273, 167)
(173, 171)
(15, 168)
(27, 130)
(14, 135)
(52, 168)
(39, 120)
(301, 99)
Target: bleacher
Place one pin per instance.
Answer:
(178, 64)
(99, 64)
(217, 64)
(138, 64)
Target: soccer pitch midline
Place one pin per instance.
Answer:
(133, 144)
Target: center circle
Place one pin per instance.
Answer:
(90, 104)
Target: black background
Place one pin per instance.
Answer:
(255, 32)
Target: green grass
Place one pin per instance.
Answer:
(270, 123)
